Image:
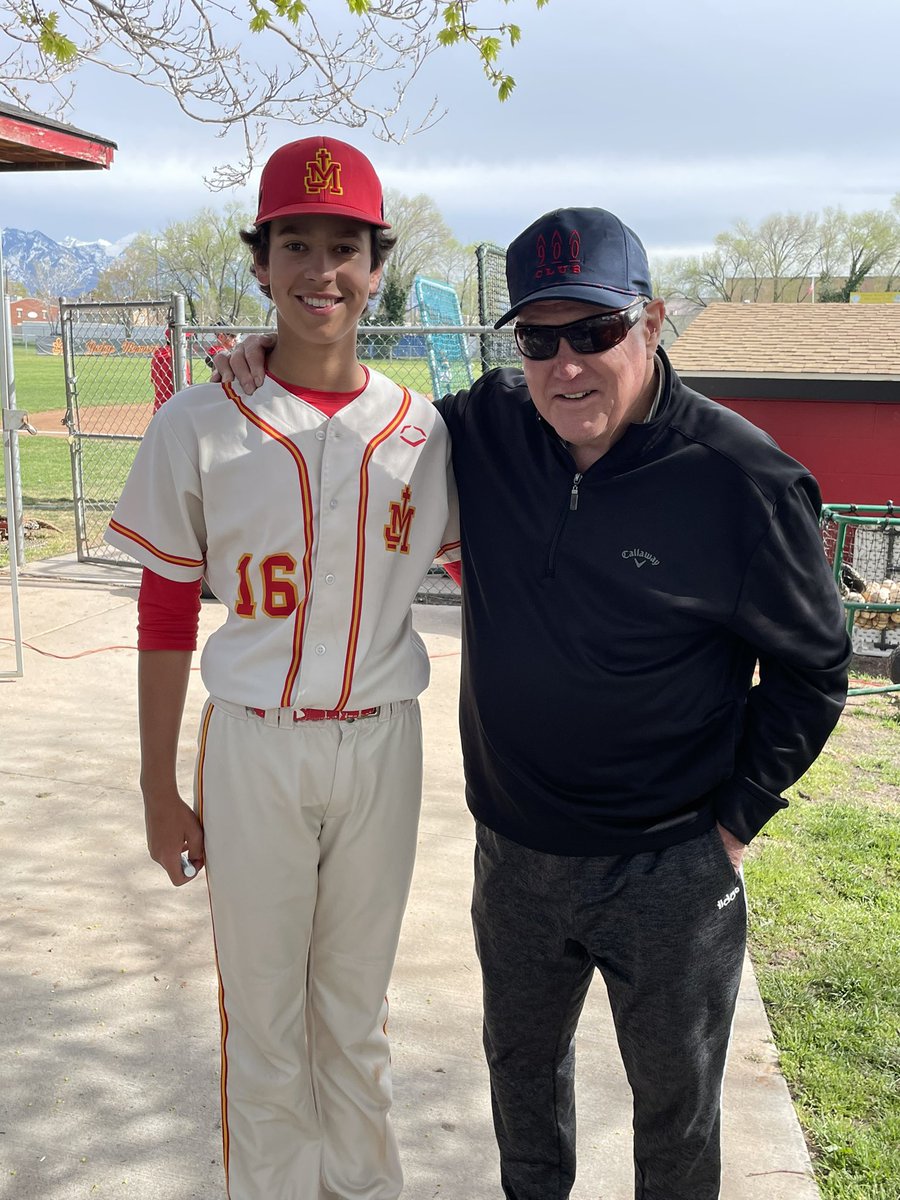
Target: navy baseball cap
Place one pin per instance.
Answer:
(576, 254)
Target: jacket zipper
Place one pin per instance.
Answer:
(573, 495)
(570, 507)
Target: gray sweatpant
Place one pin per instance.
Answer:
(666, 929)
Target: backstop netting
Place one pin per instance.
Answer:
(497, 350)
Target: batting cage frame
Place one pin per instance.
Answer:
(446, 341)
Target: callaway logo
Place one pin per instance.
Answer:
(639, 557)
(726, 900)
(412, 435)
(564, 256)
(323, 174)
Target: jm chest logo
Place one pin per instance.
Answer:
(397, 530)
(323, 174)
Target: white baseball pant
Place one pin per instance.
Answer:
(310, 836)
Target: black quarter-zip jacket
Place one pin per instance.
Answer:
(612, 621)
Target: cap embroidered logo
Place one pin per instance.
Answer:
(323, 174)
(557, 266)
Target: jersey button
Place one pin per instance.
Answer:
(332, 504)
(320, 649)
(329, 579)
(320, 435)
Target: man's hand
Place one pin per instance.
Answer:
(172, 826)
(733, 848)
(246, 362)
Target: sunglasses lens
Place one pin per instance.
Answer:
(537, 341)
(591, 335)
(597, 334)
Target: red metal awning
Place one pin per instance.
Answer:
(29, 142)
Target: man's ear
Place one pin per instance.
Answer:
(654, 315)
(375, 281)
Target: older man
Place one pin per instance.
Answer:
(631, 552)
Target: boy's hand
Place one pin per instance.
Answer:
(246, 362)
(172, 826)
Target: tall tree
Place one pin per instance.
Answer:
(855, 245)
(256, 60)
(778, 259)
(423, 237)
(205, 259)
(132, 276)
(788, 248)
(13, 287)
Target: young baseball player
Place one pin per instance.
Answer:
(314, 508)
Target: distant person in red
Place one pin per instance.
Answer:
(225, 340)
(161, 374)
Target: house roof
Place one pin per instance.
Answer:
(811, 341)
(29, 142)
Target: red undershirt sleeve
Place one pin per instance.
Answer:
(454, 570)
(168, 613)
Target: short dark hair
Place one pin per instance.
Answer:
(257, 239)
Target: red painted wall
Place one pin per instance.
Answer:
(853, 449)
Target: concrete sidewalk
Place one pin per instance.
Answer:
(108, 1019)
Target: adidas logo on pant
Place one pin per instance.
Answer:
(726, 900)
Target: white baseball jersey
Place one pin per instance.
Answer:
(315, 532)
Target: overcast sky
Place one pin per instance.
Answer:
(681, 117)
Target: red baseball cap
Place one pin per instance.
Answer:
(320, 175)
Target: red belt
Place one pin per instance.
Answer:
(324, 714)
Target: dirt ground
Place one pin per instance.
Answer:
(126, 419)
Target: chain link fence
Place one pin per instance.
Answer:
(122, 360)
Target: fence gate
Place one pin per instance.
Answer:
(111, 354)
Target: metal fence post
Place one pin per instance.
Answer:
(178, 339)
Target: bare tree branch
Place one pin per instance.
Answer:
(239, 64)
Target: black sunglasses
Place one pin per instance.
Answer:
(590, 335)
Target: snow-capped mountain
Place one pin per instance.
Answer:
(48, 268)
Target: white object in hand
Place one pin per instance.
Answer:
(187, 866)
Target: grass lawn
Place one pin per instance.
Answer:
(823, 882)
(40, 380)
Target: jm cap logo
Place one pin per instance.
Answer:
(323, 174)
(320, 175)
